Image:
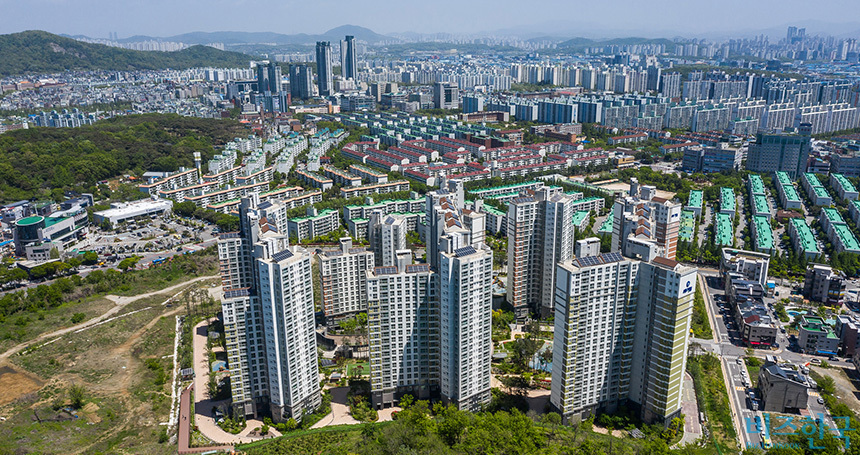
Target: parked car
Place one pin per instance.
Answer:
(820, 400)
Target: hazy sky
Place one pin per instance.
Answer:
(595, 18)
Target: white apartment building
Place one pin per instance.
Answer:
(540, 234)
(621, 335)
(403, 320)
(592, 347)
(343, 276)
(287, 300)
(268, 308)
(387, 236)
(465, 303)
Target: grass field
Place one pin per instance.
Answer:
(124, 367)
(362, 368)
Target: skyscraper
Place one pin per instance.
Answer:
(301, 82)
(324, 70)
(269, 78)
(664, 307)
(348, 58)
(268, 309)
(621, 335)
(592, 345)
(540, 234)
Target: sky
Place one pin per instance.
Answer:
(593, 18)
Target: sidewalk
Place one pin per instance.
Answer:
(203, 405)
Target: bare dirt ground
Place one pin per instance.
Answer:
(16, 383)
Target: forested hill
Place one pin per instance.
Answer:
(43, 52)
(43, 162)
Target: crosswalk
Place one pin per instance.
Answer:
(739, 388)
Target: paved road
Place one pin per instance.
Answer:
(203, 404)
(729, 348)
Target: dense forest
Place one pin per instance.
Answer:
(36, 51)
(44, 162)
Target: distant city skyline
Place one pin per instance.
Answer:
(656, 18)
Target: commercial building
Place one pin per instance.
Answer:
(756, 326)
(301, 82)
(343, 278)
(779, 152)
(816, 337)
(348, 58)
(711, 159)
(324, 68)
(750, 265)
(125, 211)
(446, 95)
(38, 237)
(540, 234)
(847, 329)
(783, 388)
(268, 309)
(844, 188)
(823, 284)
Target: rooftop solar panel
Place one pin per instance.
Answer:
(286, 254)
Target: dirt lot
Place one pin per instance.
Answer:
(15, 383)
(124, 366)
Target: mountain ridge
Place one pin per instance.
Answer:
(36, 51)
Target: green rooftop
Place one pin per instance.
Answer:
(846, 184)
(812, 179)
(756, 184)
(761, 204)
(724, 229)
(848, 239)
(606, 227)
(502, 187)
(688, 224)
(790, 193)
(30, 220)
(727, 199)
(833, 215)
(856, 204)
(820, 192)
(807, 240)
(695, 199)
(783, 178)
(579, 216)
(763, 234)
(490, 209)
(319, 215)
